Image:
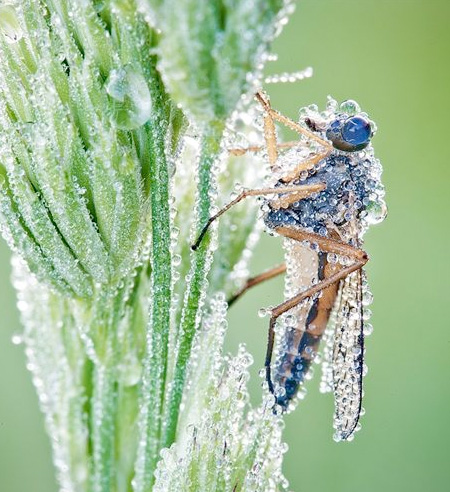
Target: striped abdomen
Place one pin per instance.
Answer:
(300, 342)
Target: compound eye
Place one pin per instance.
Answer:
(349, 134)
(356, 132)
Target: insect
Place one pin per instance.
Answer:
(324, 192)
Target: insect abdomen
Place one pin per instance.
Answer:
(300, 344)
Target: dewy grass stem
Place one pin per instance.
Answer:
(114, 117)
(210, 148)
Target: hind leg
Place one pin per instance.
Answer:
(254, 281)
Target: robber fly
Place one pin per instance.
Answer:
(325, 191)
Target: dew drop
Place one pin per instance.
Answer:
(263, 312)
(350, 107)
(367, 298)
(368, 329)
(17, 339)
(9, 24)
(376, 212)
(130, 97)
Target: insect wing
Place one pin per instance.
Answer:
(326, 383)
(347, 358)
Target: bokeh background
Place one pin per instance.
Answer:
(392, 56)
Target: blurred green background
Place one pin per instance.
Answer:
(392, 56)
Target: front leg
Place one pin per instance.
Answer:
(303, 191)
(271, 115)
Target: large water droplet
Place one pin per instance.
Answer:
(350, 107)
(9, 24)
(376, 212)
(130, 97)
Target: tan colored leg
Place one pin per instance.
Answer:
(301, 167)
(269, 132)
(326, 245)
(286, 201)
(256, 148)
(275, 115)
(305, 166)
(336, 277)
(253, 281)
(305, 190)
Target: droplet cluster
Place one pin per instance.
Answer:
(73, 193)
(290, 77)
(290, 368)
(61, 396)
(239, 229)
(222, 444)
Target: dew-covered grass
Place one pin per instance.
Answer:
(114, 120)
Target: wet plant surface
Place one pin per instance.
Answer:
(114, 120)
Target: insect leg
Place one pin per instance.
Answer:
(305, 191)
(258, 148)
(302, 166)
(326, 244)
(270, 132)
(272, 146)
(305, 166)
(253, 281)
(263, 98)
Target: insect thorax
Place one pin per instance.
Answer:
(353, 193)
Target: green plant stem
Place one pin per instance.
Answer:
(199, 264)
(103, 428)
(90, 140)
(155, 367)
(107, 312)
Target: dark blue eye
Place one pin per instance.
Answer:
(356, 131)
(349, 134)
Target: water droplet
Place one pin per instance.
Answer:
(367, 298)
(130, 97)
(9, 24)
(263, 312)
(376, 212)
(350, 107)
(17, 339)
(368, 329)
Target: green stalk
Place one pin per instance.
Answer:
(104, 408)
(199, 269)
(155, 365)
(103, 105)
